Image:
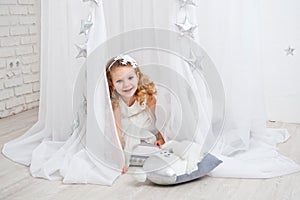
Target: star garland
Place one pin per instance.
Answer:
(86, 25)
(187, 28)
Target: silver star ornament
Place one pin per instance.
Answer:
(86, 25)
(186, 28)
(84, 105)
(82, 52)
(76, 122)
(94, 1)
(194, 61)
(289, 51)
(184, 3)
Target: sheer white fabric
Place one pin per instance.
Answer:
(229, 31)
(55, 148)
(232, 39)
(281, 29)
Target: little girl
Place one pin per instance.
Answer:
(133, 101)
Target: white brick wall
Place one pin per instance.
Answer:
(19, 55)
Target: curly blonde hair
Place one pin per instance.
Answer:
(146, 87)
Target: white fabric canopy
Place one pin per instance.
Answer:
(56, 147)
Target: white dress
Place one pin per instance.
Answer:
(137, 125)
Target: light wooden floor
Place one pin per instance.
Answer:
(16, 182)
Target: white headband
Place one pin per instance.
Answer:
(125, 59)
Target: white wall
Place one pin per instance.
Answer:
(19, 55)
(281, 28)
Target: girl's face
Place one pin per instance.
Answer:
(125, 81)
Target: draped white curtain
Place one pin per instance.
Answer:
(229, 32)
(232, 37)
(281, 29)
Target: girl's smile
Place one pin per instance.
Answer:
(128, 90)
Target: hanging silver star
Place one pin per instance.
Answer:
(186, 28)
(94, 1)
(76, 122)
(289, 51)
(84, 105)
(86, 25)
(82, 52)
(184, 3)
(194, 61)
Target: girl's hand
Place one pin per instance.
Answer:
(159, 142)
(125, 169)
